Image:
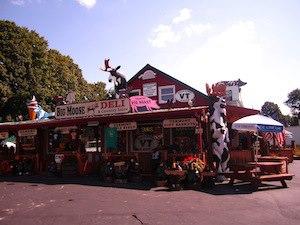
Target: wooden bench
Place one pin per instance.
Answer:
(240, 165)
(273, 177)
(243, 167)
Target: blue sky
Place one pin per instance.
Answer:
(198, 42)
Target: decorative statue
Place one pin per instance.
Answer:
(42, 114)
(232, 90)
(218, 127)
(120, 83)
(70, 98)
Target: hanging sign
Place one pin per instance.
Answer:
(124, 126)
(26, 133)
(99, 108)
(150, 89)
(65, 130)
(3, 135)
(183, 122)
(184, 95)
(111, 138)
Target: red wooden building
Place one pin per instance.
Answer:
(177, 129)
(162, 87)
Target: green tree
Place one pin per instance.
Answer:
(28, 67)
(294, 101)
(271, 109)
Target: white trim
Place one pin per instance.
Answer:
(160, 101)
(136, 90)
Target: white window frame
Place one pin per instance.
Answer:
(136, 90)
(160, 101)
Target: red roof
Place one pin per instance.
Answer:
(234, 112)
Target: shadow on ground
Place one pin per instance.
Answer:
(88, 180)
(218, 189)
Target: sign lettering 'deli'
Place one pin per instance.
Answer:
(184, 95)
(107, 107)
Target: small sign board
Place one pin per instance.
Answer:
(87, 109)
(183, 122)
(28, 132)
(184, 95)
(124, 126)
(150, 89)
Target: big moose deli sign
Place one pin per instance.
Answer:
(88, 109)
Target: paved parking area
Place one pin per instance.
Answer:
(88, 201)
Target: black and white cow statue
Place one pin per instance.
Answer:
(120, 83)
(218, 127)
(219, 132)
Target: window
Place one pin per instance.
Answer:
(166, 93)
(135, 92)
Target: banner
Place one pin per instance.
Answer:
(111, 138)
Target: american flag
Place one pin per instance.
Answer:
(279, 138)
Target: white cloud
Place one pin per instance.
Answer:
(162, 35)
(184, 14)
(237, 51)
(17, 2)
(23, 2)
(87, 3)
(197, 29)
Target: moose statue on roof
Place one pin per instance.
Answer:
(120, 83)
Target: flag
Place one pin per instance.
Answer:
(279, 138)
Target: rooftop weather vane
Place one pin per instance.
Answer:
(120, 83)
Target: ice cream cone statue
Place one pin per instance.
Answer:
(32, 106)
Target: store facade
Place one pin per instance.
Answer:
(92, 133)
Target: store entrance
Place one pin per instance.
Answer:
(146, 139)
